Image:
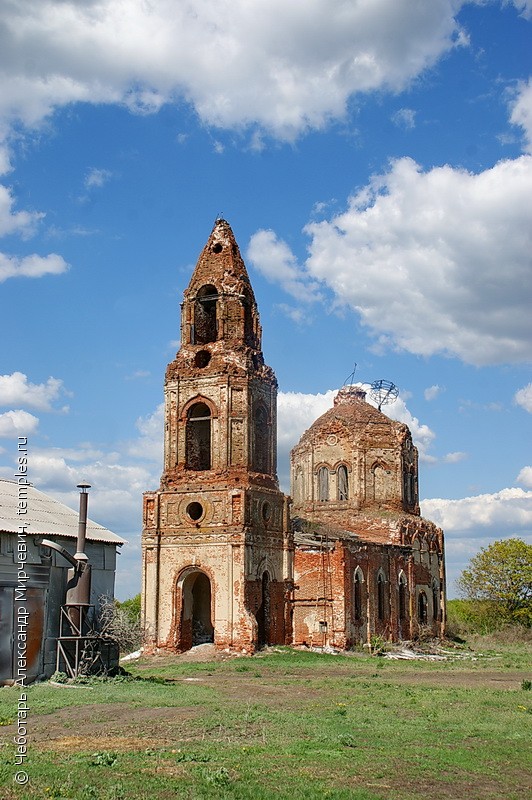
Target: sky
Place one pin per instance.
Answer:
(374, 159)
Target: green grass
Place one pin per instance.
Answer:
(289, 724)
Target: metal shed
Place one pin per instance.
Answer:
(45, 573)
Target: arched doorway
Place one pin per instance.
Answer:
(263, 612)
(196, 613)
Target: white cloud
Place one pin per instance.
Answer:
(505, 511)
(524, 6)
(22, 222)
(525, 477)
(150, 443)
(17, 423)
(96, 178)
(297, 314)
(432, 392)
(285, 66)
(273, 258)
(522, 111)
(433, 262)
(454, 458)
(116, 488)
(33, 266)
(470, 523)
(405, 118)
(16, 390)
(523, 397)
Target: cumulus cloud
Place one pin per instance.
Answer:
(150, 443)
(16, 390)
(470, 523)
(507, 510)
(432, 392)
(521, 111)
(17, 423)
(523, 398)
(525, 477)
(433, 262)
(273, 258)
(285, 66)
(33, 266)
(21, 222)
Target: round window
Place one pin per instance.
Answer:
(202, 359)
(194, 511)
(217, 248)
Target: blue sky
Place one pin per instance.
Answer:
(374, 161)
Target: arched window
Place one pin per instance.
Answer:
(261, 441)
(381, 605)
(198, 437)
(359, 579)
(342, 483)
(435, 601)
(422, 608)
(380, 482)
(205, 327)
(299, 484)
(410, 486)
(402, 596)
(323, 484)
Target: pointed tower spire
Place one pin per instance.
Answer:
(219, 304)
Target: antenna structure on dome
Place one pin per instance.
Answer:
(383, 392)
(350, 378)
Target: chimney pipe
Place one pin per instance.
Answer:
(80, 555)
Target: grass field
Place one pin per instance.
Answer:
(285, 724)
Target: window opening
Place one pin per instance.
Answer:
(205, 325)
(194, 511)
(198, 437)
(402, 597)
(202, 359)
(358, 595)
(343, 486)
(435, 603)
(422, 608)
(323, 484)
(261, 451)
(380, 597)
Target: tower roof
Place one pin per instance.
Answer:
(221, 265)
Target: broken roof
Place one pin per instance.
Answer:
(45, 516)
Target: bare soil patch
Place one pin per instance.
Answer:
(115, 726)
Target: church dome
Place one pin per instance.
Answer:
(352, 458)
(353, 415)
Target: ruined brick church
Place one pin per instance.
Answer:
(227, 557)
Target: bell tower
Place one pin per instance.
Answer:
(217, 552)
